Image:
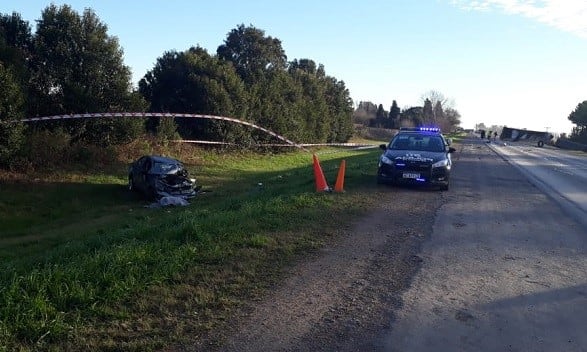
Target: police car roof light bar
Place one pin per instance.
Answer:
(422, 129)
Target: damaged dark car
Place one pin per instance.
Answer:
(158, 176)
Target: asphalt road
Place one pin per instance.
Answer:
(559, 173)
(505, 268)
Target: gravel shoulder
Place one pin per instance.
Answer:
(346, 292)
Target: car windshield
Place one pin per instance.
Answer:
(165, 168)
(427, 143)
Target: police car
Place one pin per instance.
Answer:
(419, 155)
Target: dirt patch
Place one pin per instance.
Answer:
(342, 296)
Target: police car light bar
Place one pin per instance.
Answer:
(423, 129)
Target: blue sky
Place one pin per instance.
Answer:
(519, 63)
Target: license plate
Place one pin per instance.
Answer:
(410, 175)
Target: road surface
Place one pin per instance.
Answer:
(560, 173)
(505, 268)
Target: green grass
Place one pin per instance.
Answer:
(84, 265)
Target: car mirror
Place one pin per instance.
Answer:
(383, 146)
(448, 141)
(451, 150)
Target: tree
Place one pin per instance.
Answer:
(340, 106)
(277, 104)
(15, 33)
(368, 107)
(579, 118)
(435, 97)
(302, 103)
(442, 110)
(451, 120)
(313, 108)
(438, 112)
(380, 117)
(360, 115)
(381, 113)
(365, 113)
(11, 110)
(579, 115)
(251, 52)
(412, 117)
(394, 115)
(15, 53)
(78, 68)
(16, 46)
(428, 112)
(192, 81)
(306, 65)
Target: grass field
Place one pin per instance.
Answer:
(84, 265)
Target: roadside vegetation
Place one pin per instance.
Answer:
(86, 265)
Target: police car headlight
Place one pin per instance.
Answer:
(441, 163)
(385, 160)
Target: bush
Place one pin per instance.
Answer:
(11, 142)
(167, 129)
(579, 135)
(48, 149)
(92, 156)
(11, 110)
(373, 133)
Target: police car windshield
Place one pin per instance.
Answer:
(428, 143)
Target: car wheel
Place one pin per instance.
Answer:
(131, 185)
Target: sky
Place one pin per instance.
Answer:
(518, 63)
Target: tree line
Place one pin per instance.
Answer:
(579, 118)
(70, 64)
(437, 110)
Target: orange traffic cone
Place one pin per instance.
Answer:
(321, 185)
(339, 185)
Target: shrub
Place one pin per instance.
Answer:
(48, 149)
(11, 110)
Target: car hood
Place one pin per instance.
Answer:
(414, 155)
(173, 185)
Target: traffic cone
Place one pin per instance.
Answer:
(321, 185)
(339, 185)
